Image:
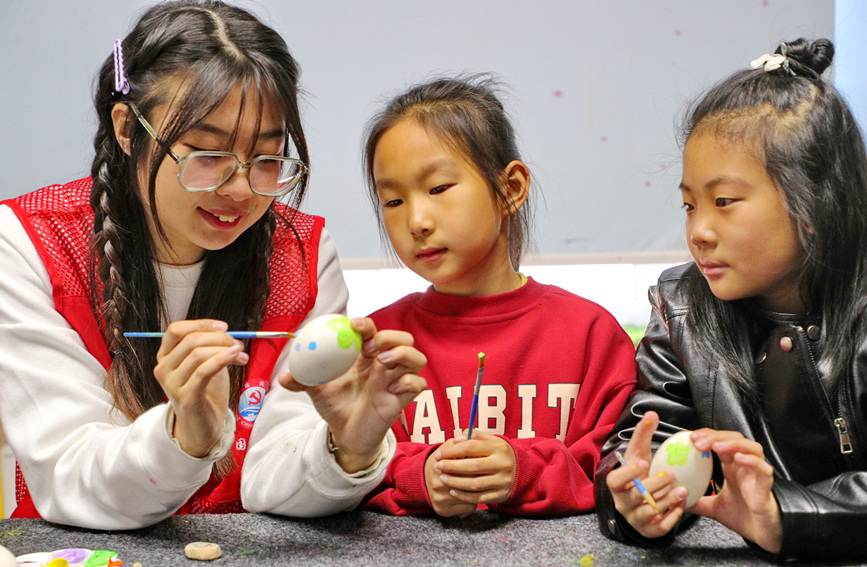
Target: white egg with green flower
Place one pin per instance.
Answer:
(692, 468)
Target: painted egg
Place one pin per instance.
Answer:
(692, 468)
(324, 349)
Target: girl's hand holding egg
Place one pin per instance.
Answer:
(359, 379)
(745, 503)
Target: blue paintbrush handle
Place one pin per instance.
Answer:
(236, 334)
(478, 385)
(473, 415)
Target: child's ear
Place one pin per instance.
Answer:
(516, 183)
(120, 117)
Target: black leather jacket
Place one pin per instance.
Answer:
(817, 444)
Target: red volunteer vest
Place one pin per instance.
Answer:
(59, 221)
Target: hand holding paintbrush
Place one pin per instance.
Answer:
(638, 485)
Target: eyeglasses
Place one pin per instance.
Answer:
(201, 171)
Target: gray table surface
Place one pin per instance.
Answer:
(365, 538)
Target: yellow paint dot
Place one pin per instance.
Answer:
(587, 560)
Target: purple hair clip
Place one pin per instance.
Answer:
(121, 84)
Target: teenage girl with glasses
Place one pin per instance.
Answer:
(178, 229)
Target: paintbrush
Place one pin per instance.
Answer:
(476, 394)
(236, 334)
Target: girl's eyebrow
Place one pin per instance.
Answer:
(217, 131)
(435, 166)
(423, 173)
(719, 180)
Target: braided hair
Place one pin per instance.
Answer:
(212, 48)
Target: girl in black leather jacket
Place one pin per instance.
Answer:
(760, 345)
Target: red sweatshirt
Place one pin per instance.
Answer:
(558, 370)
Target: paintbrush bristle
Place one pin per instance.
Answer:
(481, 360)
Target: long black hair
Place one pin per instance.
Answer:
(804, 133)
(465, 113)
(210, 48)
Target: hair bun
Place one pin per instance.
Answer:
(811, 58)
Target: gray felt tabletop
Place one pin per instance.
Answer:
(365, 538)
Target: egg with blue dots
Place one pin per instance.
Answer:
(323, 349)
(692, 468)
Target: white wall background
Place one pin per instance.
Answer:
(620, 288)
(597, 88)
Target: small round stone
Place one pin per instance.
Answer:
(202, 551)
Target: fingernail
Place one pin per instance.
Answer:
(367, 346)
(394, 387)
(699, 441)
(243, 358)
(444, 479)
(234, 349)
(438, 455)
(384, 356)
(221, 326)
(680, 493)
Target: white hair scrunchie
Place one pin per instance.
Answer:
(770, 62)
(774, 62)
